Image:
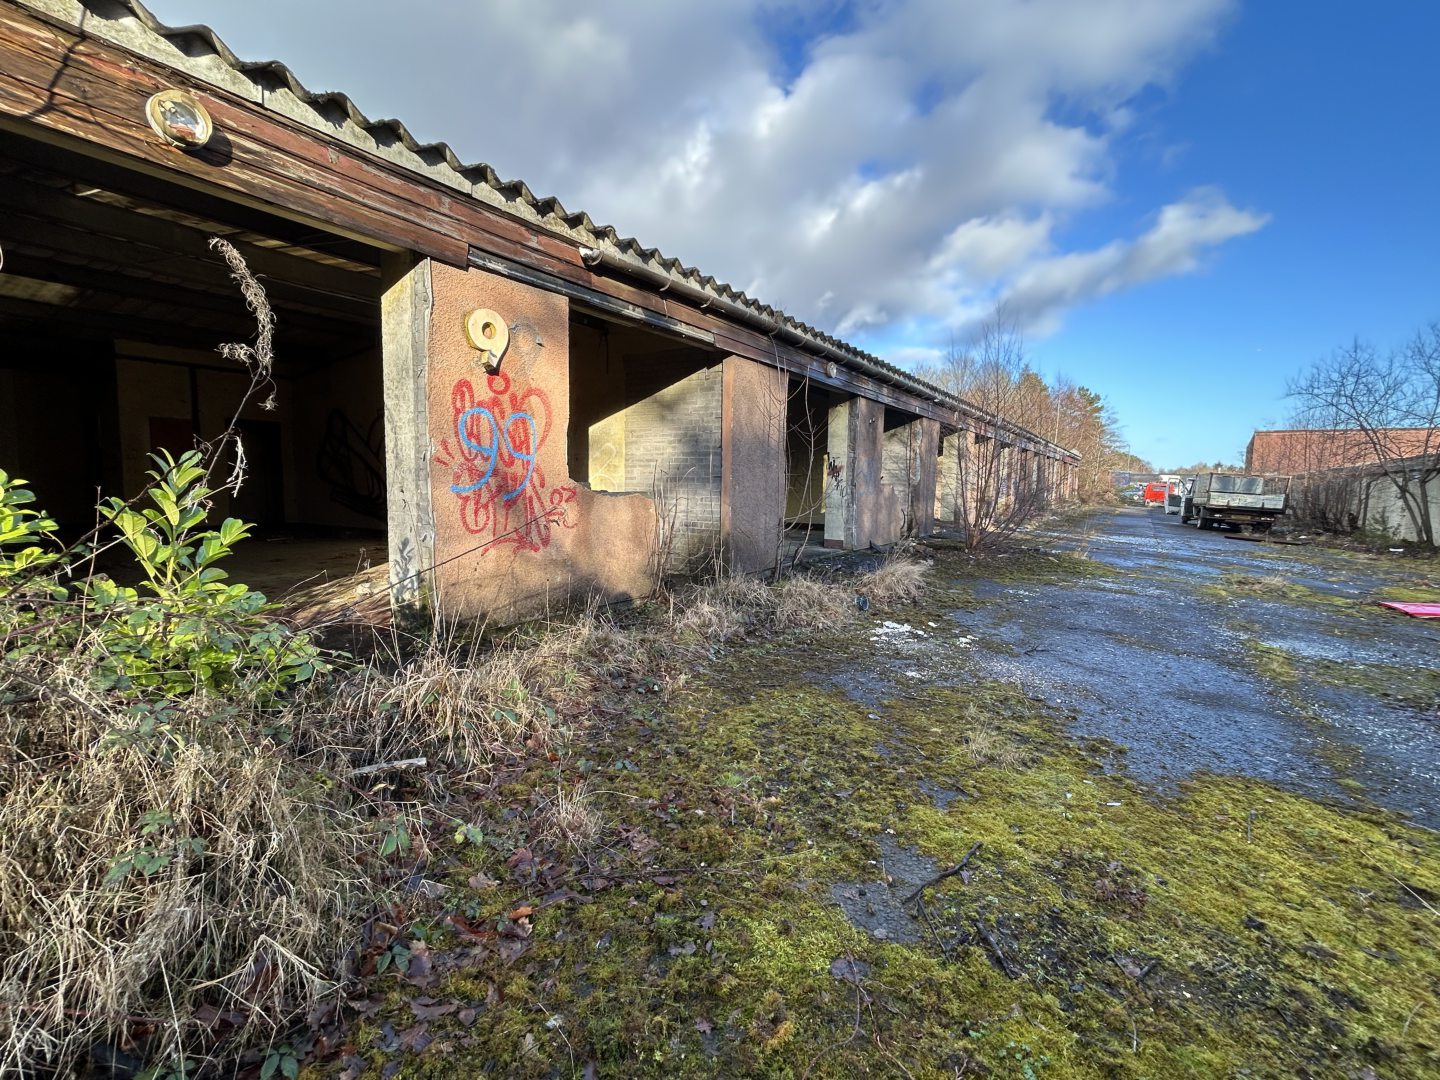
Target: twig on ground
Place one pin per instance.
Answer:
(1406, 1029)
(1423, 902)
(1138, 974)
(942, 876)
(930, 925)
(385, 766)
(1011, 969)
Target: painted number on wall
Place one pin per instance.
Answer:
(492, 440)
(492, 452)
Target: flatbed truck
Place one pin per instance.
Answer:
(1245, 501)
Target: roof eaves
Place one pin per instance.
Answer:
(197, 51)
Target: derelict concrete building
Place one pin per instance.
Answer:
(517, 403)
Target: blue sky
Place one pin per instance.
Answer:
(1324, 117)
(1184, 201)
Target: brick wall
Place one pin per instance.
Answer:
(673, 452)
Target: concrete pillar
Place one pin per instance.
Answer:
(877, 510)
(922, 492)
(1003, 480)
(909, 473)
(859, 508)
(410, 522)
(753, 481)
(839, 494)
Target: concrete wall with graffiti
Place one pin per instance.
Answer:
(340, 442)
(514, 532)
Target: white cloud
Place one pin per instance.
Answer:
(1182, 232)
(904, 173)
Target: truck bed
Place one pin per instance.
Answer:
(1234, 500)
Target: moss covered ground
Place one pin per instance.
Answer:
(1229, 928)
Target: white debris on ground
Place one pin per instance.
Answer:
(889, 631)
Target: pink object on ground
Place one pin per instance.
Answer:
(1420, 611)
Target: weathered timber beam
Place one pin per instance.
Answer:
(180, 298)
(51, 158)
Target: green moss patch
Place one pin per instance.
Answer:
(1098, 930)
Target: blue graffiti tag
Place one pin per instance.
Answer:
(527, 456)
(498, 439)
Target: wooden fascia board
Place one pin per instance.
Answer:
(90, 94)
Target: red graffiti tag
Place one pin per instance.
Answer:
(493, 453)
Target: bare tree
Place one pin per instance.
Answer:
(997, 487)
(1380, 411)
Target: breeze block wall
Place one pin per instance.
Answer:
(673, 453)
(513, 532)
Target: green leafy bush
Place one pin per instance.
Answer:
(183, 630)
(194, 631)
(22, 532)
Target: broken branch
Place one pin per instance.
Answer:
(942, 876)
(1007, 965)
(385, 766)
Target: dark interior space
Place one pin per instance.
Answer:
(895, 418)
(112, 310)
(807, 433)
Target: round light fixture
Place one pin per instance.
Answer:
(178, 117)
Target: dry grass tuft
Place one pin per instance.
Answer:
(465, 709)
(900, 580)
(986, 744)
(731, 606)
(807, 603)
(156, 865)
(568, 820)
(1268, 584)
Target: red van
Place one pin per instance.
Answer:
(1154, 494)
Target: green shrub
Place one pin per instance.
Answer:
(22, 532)
(194, 631)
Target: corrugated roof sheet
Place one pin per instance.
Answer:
(200, 53)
